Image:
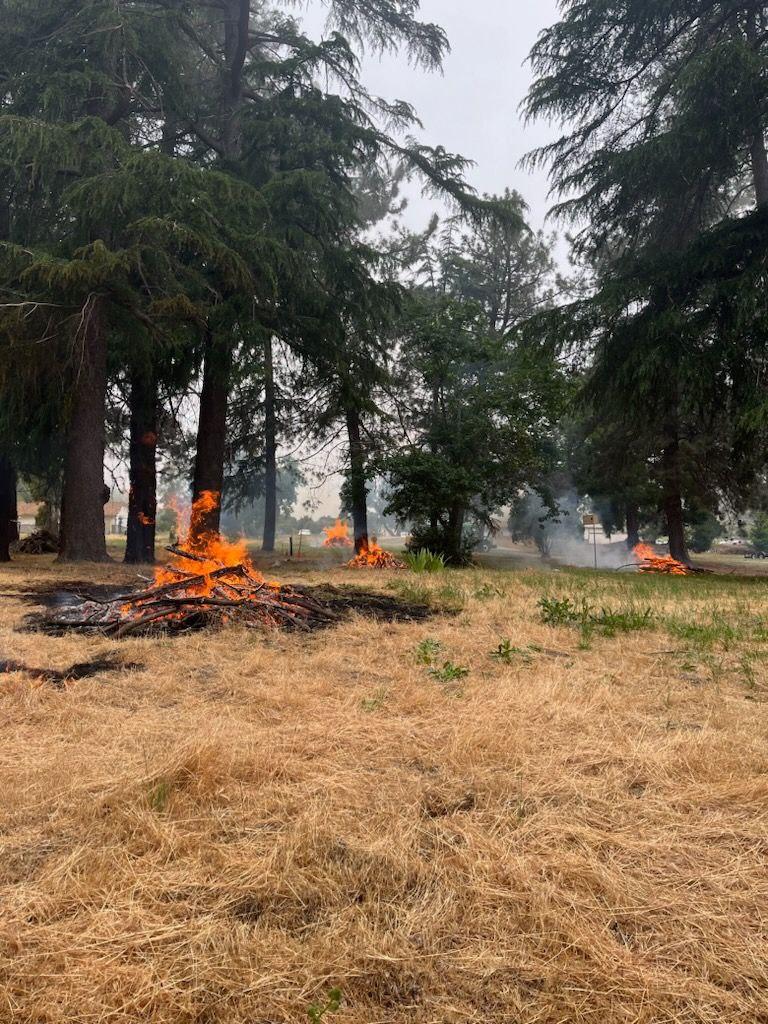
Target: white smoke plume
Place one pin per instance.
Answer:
(563, 537)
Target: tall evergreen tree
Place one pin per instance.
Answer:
(660, 146)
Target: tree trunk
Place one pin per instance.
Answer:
(270, 450)
(358, 491)
(9, 528)
(142, 498)
(49, 517)
(454, 548)
(633, 526)
(83, 536)
(673, 503)
(673, 510)
(211, 436)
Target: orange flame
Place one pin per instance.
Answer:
(374, 557)
(651, 562)
(337, 536)
(211, 550)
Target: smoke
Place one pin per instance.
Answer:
(581, 553)
(562, 535)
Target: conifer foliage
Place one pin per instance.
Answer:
(662, 164)
(176, 190)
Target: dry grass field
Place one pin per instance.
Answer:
(575, 830)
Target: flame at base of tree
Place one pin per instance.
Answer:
(208, 582)
(337, 536)
(650, 562)
(374, 557)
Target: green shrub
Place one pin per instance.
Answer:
(758, 535)
(625, 621)
(487, 592)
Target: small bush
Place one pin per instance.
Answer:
(703, 634)
(758, 535)
(625, 621)
(424, 561)
(450, 598)
(487, 592)
(376, 702)
(414, 593)
(160, 795)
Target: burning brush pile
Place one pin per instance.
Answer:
(665, 565)
(209, 581)
(372, 556)
(337, 536)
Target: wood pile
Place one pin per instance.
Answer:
(215, 596)
(41, 542)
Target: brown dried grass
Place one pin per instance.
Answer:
(251, 821)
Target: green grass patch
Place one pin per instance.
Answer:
(565, 611)
(425, 562)
(705, 635)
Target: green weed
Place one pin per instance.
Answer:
(332, 1003)
(704, 634)
(609, 621)
(627, 620)
(413, 593)
(561, 611)
(450, 597)
(488, 592)
(159, 796)
(747, 672)
(586, 633)
(425, 562)
(427, 651)
(507, 653)
(376, 702)
(448, 672)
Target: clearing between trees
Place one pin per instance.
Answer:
(545, 803)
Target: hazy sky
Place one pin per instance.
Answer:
(472, 109)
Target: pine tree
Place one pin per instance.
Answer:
(662, 143)
(66, 117)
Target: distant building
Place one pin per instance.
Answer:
(27, 512)
(116, 517)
